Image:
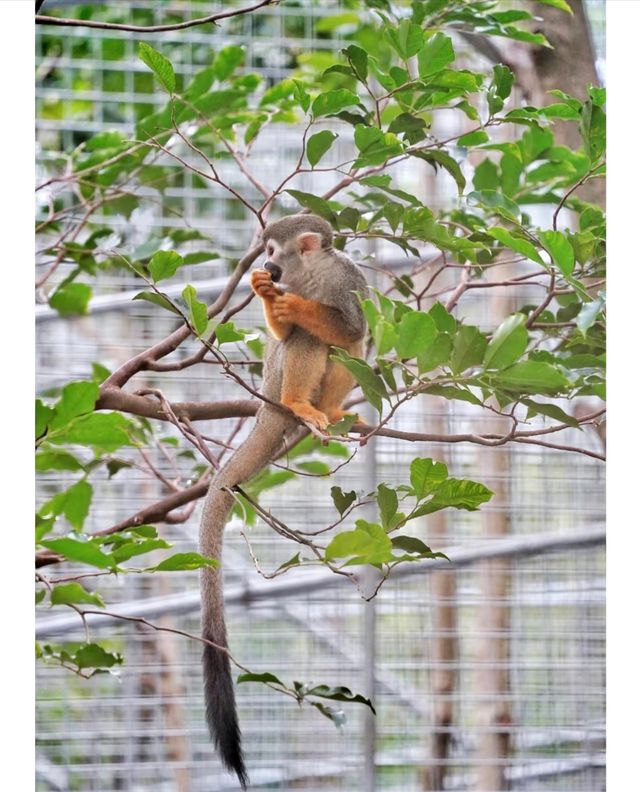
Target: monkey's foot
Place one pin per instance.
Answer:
(336, 415)
(308, 414)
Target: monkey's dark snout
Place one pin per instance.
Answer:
(274, 269)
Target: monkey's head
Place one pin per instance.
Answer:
(290, 244)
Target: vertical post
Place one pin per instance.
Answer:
(491, 681)
(493, 711)
(369, 627)
(443, 641)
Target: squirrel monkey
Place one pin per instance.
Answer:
(313, 307)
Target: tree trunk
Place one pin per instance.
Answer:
(569, 66)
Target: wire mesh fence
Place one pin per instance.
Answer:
(433, 676)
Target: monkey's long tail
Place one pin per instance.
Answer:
(257, 451)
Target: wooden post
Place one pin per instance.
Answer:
(443, 640)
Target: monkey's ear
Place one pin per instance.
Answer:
(308, 242)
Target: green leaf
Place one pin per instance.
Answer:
(532, 376)
(416, 331)
(158, 299)
(327, 24)
(508, 343)
(85, 552)
(534, 142)
(73, 593)
(293, 561)
(197, 310)
(265, 678)
(560, 110)
(426, 475)
(468, 349)
(411, 126)
(445, 322)
(164, 264)
(184, 561)
(456, 494)
(447, 162)
(278, 92)
(342, 427)
(371, 383)
(333, 101)
(511, 170)
(409, 544)
(436, 354)
(339, 694)
(517, 244)
(342, 500)
(71, 299)
(336, 716)
(57, 460)
(77, 398)
(497, 203)
(93, 655)
(551, 411)
(73, 503)
(387, 504)
(476, 138)
(486, 176)
(227, 61)
(317, 205)
(226, 332)
(104, 431)
(99, 372)
(302, 97)
(561, 4)
(78, 501)
(597, 95)
(127, 550)
(500, 88)
(359, 61)
(435, 55)
(407, 39)
(43, 416)
(314, 466)
(589, 314)
(367, 544)
(159, 65)
(318, 145)
(375, 146)
(385, 336)
(560, 250)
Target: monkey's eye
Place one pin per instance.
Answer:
(269, 250)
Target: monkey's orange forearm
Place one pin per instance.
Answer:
(314, 317)
(279, 329)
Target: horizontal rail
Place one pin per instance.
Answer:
(305, 581)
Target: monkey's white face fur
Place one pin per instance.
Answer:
(290, 263)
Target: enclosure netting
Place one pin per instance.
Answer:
(145, 729)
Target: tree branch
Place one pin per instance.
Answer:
(92, 23)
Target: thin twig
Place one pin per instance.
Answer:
(42, 19)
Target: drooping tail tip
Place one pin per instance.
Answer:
(221, 715)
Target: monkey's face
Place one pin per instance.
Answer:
(289, 259)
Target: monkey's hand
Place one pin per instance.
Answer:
(263, 286)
